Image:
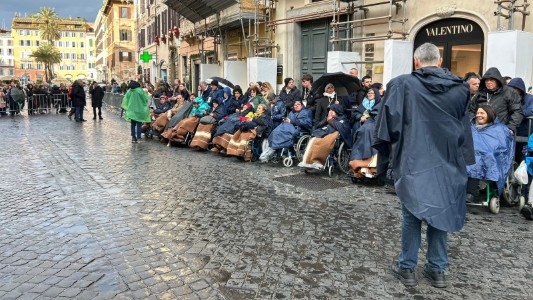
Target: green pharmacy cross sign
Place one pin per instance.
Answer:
(146, 57)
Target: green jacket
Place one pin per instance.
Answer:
(135, 103)
(255, 101)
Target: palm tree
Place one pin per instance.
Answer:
(48, 55)
(47, 19)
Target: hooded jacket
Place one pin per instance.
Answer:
(504, 100)
(527, 105)
(135, 103)
(421, 129)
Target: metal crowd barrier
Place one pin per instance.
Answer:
(113, 102)
(46, 103)
(36, 104)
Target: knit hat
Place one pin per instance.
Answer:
(215, 101)
(286, 80)
(214, 82)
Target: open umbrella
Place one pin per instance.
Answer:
(344, 84)
(221, 82)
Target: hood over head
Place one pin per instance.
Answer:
(227, 91)
(338, 109)
(134, 84)
(437, 80)
(518, 83)
(493, 73)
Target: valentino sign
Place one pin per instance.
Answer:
(449, 30)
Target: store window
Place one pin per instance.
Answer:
(460, 42)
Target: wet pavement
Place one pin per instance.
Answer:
(86, 214)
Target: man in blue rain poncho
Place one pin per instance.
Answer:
(421, 129)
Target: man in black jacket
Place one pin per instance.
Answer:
(503, 99)
(97, 95)
(78, 100)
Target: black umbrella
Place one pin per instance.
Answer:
(344, 84)
(221, 81)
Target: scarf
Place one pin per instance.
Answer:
(368, 104)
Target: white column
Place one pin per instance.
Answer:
(398, 59)
(512, 53)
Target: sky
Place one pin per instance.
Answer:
(64, 8)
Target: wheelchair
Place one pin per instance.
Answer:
(289, 154)
(338, 157)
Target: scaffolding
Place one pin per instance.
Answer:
(506, 9)
(354, 22)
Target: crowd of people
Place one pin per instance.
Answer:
(64, 98)
(434, 134)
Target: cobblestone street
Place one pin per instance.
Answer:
(85, 214)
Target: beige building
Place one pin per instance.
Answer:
(115, 40)
(157, 25)
(377, 36)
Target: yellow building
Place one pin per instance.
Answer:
(74, 46)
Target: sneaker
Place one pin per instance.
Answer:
(406, 276)
(436, 278)
(133, 140)
(100, 118)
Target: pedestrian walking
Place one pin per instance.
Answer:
(97, 95)
(135, 103)
(422, 130)
(78, 100)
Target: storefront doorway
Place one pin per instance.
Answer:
(460, 41)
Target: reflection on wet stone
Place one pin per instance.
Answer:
(85, 214)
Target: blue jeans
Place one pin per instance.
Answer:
(138, 126)
(78, 113)
(437, 251)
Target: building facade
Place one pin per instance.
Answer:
(156, 26)
(100, 32)
(73, 45)
(119, 39)
(7, 58)
(301, 34)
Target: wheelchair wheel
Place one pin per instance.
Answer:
(287, 162)
(301, 145)
(330, 170)
(343, 158)
(494, 205)
(521, 203)
(513, 189)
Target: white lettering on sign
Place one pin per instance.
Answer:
(450, 30)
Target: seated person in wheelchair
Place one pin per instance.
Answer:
(160, 107)
(362, 112)
(325, 136)
(298, 121)
(188, 125)
(494, 150)
(207, 125)
(363, 156)
(257, 125)
(523, 130)
(163, 119)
